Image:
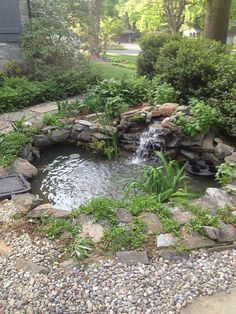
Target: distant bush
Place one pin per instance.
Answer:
(151, 45)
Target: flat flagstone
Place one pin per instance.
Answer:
(133, 257)
(45, 108)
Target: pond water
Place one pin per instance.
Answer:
(70, 176)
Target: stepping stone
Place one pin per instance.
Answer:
(179, 215)
(166, 240)
(133, 257)
(152, 223)
(44, 108)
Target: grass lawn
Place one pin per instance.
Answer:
(113, 71)
(124, 61)
(115, 46)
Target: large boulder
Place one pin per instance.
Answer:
(26, 202)
(42, 140)
(227, 233)
(60, 135)
(47, 210)
(180, 215)
(221, 198)
(24, 168)
(223, 150)
(231, 158)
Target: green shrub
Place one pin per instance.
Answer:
(190, 65)
(151, 45)
(162, 93)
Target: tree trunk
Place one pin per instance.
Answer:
(174, 11)
(217, 19)
(94, 14)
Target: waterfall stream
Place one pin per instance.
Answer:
(149, 140)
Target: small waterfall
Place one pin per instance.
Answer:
(150, 140)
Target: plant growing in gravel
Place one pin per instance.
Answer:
(169, 224)
(164, 181)
(225, 173)
(119, 237)
(81, 247)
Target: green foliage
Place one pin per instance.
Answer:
(151, 45)
(118, 237)
(190, 65)
(169, 224)
(203, 117)
(162, 93)
(163, 181)
(203, 218)
(225, 173)
(131, 91)
(54, 228)
(225, 214)
(81, 247)
(141, 203)
(10, 145)
(100, 208)
(51, 119)
(19, 125)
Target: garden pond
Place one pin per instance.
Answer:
(70, 176)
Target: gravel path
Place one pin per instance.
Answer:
(163, 286)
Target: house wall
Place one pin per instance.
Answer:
(11, 50)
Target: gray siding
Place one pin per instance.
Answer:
(10, 21)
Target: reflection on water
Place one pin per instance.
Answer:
(69, 176)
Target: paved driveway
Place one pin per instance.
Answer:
(132, 50)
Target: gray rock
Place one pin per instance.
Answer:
(124, 216)
(222, 150)
(3, 172)
(69, 263)
(189, 154)
(166, 240)
(231, 189)
(206, 202)
(47, 210)
(231, 158)
(60, 135)
(26, 152)
(196, 241)
(42, 140)
(212, 232)
(208, 143)
(84, 123)
(133, 257)
(100, 136)
(24, 168)
(78, 128)
(85, 136)
(227, 233)
(221, 198)
(179, 215)
(152, 223)
(26, 202)
(90, 229)
(29, 266)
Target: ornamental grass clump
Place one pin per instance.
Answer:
(164, 181)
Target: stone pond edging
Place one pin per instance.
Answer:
(87, 134)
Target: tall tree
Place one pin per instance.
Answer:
(174, 12)
(217, 19)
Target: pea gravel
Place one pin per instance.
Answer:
(163, 286)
